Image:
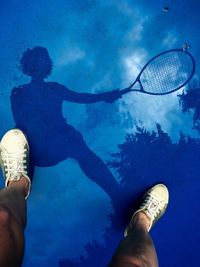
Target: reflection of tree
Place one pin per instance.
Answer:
(145, 158)
(98, 255)
(190, 100)
(142, 151)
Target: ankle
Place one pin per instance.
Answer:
(141, 220)
(22, 185)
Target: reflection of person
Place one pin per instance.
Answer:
(37, 110)
(135, 250)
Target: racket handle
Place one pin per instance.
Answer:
(126, 90)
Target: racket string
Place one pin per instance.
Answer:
(166, 72)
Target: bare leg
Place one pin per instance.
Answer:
(12, 223)
(137, 249)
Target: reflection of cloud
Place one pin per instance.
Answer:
(148, 109)
(135, 34)
(133, 64)
(165, 110)
(125, 8)
(170, 39)
(68, 55)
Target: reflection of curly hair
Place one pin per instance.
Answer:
(36, 62)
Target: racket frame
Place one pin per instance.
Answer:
(129, 89)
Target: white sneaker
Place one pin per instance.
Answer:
(14, 157)
(154, 204)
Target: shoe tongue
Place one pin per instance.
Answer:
(149, 215)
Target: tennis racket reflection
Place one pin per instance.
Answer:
(165, 73)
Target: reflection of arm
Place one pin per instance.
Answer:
(88, 98)
(82, 97)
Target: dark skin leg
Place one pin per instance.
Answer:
(137, 249)
(12, 223)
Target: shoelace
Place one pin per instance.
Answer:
(153, 206)
(14, 165)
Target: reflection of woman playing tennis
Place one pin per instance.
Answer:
(37, 109)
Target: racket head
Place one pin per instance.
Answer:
(166, 72)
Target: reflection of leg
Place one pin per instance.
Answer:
(96, 170)
(12, 223)
(137, 249)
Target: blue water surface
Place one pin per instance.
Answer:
(92, 160)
